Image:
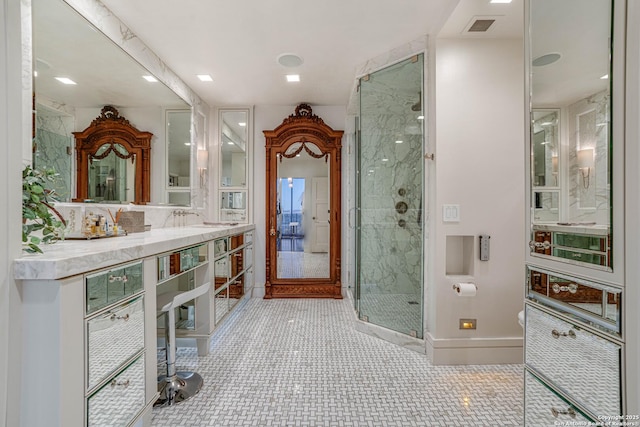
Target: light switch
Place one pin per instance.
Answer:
(451, 213)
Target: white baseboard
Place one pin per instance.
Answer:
(474, 351)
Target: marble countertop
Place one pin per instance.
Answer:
(71, 257)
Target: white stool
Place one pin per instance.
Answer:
(176, 387)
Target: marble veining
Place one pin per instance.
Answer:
(68, 258)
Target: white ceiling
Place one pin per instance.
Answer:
(238, 42)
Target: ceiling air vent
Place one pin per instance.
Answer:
(480, 25)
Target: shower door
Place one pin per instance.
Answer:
(389, 189)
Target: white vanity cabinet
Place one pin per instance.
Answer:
(89, 320)
(578, 291)
(85, 358)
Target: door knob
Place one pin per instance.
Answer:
(272, 232)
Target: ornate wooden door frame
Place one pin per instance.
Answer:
(110, 128)
(303, 127)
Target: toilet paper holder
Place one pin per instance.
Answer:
(456, 287)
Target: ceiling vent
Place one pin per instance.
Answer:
(480, 24)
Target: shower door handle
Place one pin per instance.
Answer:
(349, 217)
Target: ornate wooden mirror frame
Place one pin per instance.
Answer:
(109, 128)
(303, 127)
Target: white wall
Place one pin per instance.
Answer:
(268, 117)
(480, 167)
(14, 125)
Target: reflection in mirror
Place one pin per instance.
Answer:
(570, 128)
(102, 74)
(112, 175)
(303, 213)
(233, 140)
(178, 156)
(233, 206)
(546, 151)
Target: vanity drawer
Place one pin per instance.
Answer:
(119, 401)
(593, 303)
(588, 257)
(110, 286)
(219, 246)
(583, 365)
(113, 337)
(236, 241)
(543, 407)
(248, 257)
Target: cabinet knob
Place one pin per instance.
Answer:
(570, 411)
(114, 317)
(556, 334)
(124, 384)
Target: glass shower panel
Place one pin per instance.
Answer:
(389, 253)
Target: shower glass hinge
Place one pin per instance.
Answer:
(413, 333)
(429, 156)
(365, 78)
(414, 58)
(364, 318)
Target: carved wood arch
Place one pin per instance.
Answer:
(110, 128)
(303, 127)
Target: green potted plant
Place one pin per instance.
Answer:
(38, 213)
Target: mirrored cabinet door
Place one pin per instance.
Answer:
(234, 160)
(178, 156)
(570, 63)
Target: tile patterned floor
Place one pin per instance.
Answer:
(398, 312)
(300, 363)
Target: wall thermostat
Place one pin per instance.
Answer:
(484, 247)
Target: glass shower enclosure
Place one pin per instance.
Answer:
(389, 188)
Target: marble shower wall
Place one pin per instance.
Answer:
(55, 145)
(391, 174)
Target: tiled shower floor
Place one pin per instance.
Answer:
(299, 362)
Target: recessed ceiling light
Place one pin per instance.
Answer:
(187, 143)
(547, 59)
(65, 80)
(293, 77)
(150, 79)
(420, 117)
(242, 124)
(229, 143)
(398, 142)
(289, 60)
(605, 77)
(205, 78)
(385, 160)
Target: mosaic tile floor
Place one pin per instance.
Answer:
(300, 362)
(398, 312)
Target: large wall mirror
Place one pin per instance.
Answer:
(234, 155)
(77, 72)
(570, 45)
(303, 208)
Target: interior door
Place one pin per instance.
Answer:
(320, 214)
